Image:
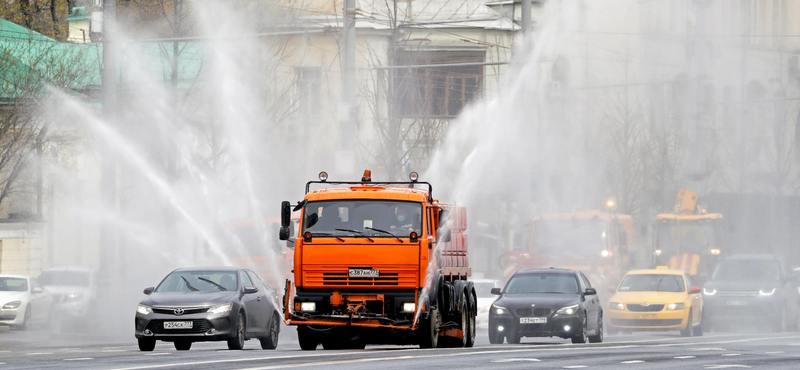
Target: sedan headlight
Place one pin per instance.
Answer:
(675, 306)
(144, 310)
(569, 310)
(616, 306)
(73, 297)
(221, 308)
(707, 291)
(12, 305)
(767, 292)
(499, 310)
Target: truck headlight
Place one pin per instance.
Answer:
(308, 306)
(499, 310)
(767, 292)
(616, 306)
(569, 310)
(221, 308)
(144, 310)
(707, 291)
(12, 305)
(675, 306)
(409, 307)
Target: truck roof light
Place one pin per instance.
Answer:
(323, 176)
(367, 176)
(413, 176)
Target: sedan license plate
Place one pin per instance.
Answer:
(364, 273)
(533, 320)
(735, 302)
(178, 324)
(644, 316)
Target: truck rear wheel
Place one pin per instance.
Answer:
(308, 339)
(429, 331)
(472, 312)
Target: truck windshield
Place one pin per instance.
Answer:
(343, 217)
(569, 237)
(685, 237)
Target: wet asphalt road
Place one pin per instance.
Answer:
(36, 350)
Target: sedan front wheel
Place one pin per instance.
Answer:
(237, 342)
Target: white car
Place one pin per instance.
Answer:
(483, 288)
(74, 291)
(24, 302)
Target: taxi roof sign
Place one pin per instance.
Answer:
(662, 267)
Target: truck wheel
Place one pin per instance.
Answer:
(472, 312)
(429, 331)
(308, 339)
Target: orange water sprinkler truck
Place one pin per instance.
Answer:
(378, 263)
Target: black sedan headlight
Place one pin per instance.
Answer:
(500, 310)
(567, 311)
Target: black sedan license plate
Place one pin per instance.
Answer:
(364, 273)
(533, 320)
(178, 324)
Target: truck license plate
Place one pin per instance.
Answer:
(364, 273)
(533, 320)
(178, 324)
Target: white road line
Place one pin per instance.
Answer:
(157, 354)
(632, 362)
(79, 359)
(731, 354)
(707, 349)
(518, 360)
(39, 353)
(114, 350)
(683, 357)
(725, 366)
(774, 352)
(574, 366)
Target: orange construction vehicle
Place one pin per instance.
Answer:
(594, 242)
(378, 263)
(686, 238)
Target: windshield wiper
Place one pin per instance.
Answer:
(327, 234)
(220, 287)
(385, 232)
(356, 232)
(189, 285)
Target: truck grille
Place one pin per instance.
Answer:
(646, 322)
(737, 293)
(635, 307)
(337, 276)
(198, 327)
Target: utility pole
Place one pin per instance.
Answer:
(345, 158)
(526, 16)
(108, 169)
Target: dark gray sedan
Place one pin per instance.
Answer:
(208, 304)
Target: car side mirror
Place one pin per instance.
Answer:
(612, 289)
(590, 291)
(149, 290)
(283, 234)
(250, 290)
(37, 290)
(695, 290)
(286, 213)
(497, 291)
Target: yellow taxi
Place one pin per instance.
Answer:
(656, 299)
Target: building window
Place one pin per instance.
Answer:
(437, 91)
(307, 91)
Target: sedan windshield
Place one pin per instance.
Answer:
(199, 281)
(652, 283)
(372, 218)
(13, 285)
(65, 278)
(747, 270)
(542, 283)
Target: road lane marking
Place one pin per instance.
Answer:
(558, 347)
(114, 350)
(79, 359)
(725, 366)
(574, 367)
(632, 362)
(157, 354)
(40, 353)
(774, 352)
(519, 360)
(707, 349)
(731, 354)
(683, 357)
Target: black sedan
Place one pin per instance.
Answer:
(208, 304)
(546, 303)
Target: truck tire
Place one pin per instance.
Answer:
(429, 331)
(471, 330)
(307, 338)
